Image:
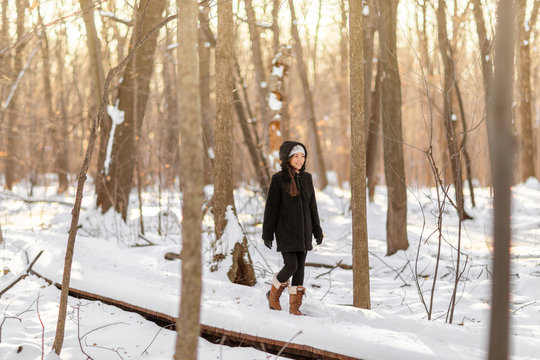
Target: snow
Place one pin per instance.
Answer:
(108, 262)
(273, 102)
(365, 10)
(277, 70)
(117, 118)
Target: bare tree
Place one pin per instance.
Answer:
(501, 146)
(223, 171)
(70, 247)
(115, 182)
(524, 110)
(361, 297)
(260, 77)
(207, 41)
(224, 208)
(187, 324)
(344, 169)
(448, 115)
(308, 100)
(394, 171)
(13, 106)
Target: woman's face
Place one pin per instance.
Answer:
(297, 161)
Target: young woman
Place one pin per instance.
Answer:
(291, 214)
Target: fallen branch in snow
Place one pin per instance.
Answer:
(236, 338)
(10, 195)
(339, 265)
(22, 276)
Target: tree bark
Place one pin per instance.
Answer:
(223, 172)
(394, 171)
(260, 78)
(344, 168)
(187, 324)
(501, 145)
(206, 42)
(524, 110)
(171, 134)
(98, 74)
(308, 101)
(115, 182)
(448, 115)
(13, 107)
(361, 296)
(374, 128)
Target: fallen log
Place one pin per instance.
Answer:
(339, 265)
(214, 334)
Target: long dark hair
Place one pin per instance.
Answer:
(293, 190)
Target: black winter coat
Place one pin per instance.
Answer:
(293, 220)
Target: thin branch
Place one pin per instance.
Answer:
(22, 276)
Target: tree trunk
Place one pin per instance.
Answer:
(344, 168)
(62, 312)
(171, 134)
(206, 42)
(448, 115)
(485, 50)
(223, 169)
(374, 127)
(394, 171)
(13, 107)
(61, 163)
(526, 151)
(224, 209)
(255, 150)
(260, 78)
(115, 182)
(308, 101)
(251, 145)
(501, 145)
(372, 99)
(361, 296)
(98, 74)
(285, 118)
(187, 324)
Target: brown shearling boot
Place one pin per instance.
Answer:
(275, 292)
(295, 299)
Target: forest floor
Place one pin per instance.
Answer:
(111, 261)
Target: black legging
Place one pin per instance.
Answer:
(293, 265)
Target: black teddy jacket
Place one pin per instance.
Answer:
(293, 220)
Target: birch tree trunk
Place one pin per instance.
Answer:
(394, 171)
(187, 324)
(308, 100)
(361, 296)
(524, 110)
(115, 182)
(448, 115)
(501, 146)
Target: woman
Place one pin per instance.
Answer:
(291, 214)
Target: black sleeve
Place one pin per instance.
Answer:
(315, 223)
(271, 210)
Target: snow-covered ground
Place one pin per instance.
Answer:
(108, 263)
